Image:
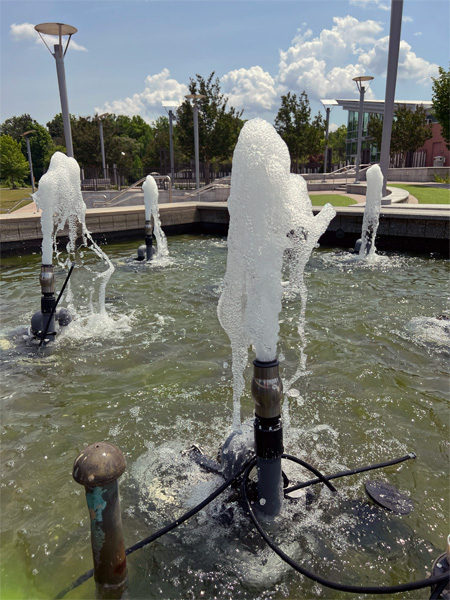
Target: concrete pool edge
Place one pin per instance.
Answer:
(415, 228)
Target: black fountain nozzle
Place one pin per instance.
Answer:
(267, 389)
(146, 252)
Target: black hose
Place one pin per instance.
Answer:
(56, 303)
(393, 589)
(388, 463)
(163, 530)
(319, 475)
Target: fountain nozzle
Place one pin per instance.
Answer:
(267, 389)
(146, 252)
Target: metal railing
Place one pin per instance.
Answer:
(135, 186)
(16, 205)
(197, 193)
(346, 170)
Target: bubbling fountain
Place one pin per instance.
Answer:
(61, 202)
(270, 220)
(365, 246)
(146, 251)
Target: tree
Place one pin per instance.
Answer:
(409, 130)
(56, 129)
(292, 123)
(441, 102)
(337, 141)
(218, 126)
(13, 164)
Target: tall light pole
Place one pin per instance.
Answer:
(60, 29)
(169, 105)
(102, 145)
(195, 98)
(362, 90)
(391, 79)
(25, 135)
(328, 105)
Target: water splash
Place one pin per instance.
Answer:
(371, 212)
(270, 212)
(151, 193)
(60, 199)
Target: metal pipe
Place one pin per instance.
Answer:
(326, 144)
(267, 389)
(172, 169)
(59, 58)
(30, 163)
(98, 468)
(102, 148)
(196, 146)
(149, 239)
(48, 300)
(391, 79)
(360, 128)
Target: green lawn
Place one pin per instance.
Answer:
(425, 195)
(8, 198)
(334, 199)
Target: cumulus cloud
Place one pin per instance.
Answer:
(148, 103)
(251, 89)
(378, 4)
(26, 32)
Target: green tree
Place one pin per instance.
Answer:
(441, 102)
(56, 129)
(13, 165)
(337, 141)
(292, 123)
(41, 144)
(316, 140)
(218, 125)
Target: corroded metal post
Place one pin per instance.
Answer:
(267, 390)
(98, 468)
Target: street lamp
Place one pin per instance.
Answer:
(170, 104)
(102, 146)
(195, 98)
(60, 29)
(328, 105)
(25, 134)
(362, 90)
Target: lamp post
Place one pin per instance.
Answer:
(362, 90)
(328, 105)
(195, 98)
(391, 79)
(102, 145)
(60, 30)
(169, 105)
(25, 135)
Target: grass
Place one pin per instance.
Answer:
(8, 198)
(334, 199)
(425, 195)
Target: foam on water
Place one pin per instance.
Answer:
(372, 211)
(151, 193)
(60, 199)
(270, 212)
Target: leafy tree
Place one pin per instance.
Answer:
(409, 130)
(337, 141)
(86, 142)
(441, 102)
(316, 139)
(292, 123)
(56, 129)
(13, 165)
(218, 126)
(41, 144)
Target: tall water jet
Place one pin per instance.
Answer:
(371, 212)
(268, 215)
(152, 223)
(61, 202)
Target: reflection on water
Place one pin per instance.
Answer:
(154, 376)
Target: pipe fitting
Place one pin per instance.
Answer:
(47, 279)
(148, 227)
(267, 389)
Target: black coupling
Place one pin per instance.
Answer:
(267, 389)
(268, 437)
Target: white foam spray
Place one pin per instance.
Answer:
(151, 194)
(270, 212)
(372, 211)
(60, 199)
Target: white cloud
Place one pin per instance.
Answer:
(418, 33)
(407, 19)
(371, 4)
(148, 103)
(251, 89)
(26, 32)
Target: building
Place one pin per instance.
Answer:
(433, 153)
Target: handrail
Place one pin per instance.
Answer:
(98, 203)
(206, 188)
(9, 210)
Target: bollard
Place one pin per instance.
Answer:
(267, 389)
(98, 468)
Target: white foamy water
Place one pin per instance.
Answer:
(372, 211)
(270, 212)
(61, 201)
(151, 193)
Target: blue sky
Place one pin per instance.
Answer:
(129, 55)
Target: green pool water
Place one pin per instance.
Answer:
(154, 377)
